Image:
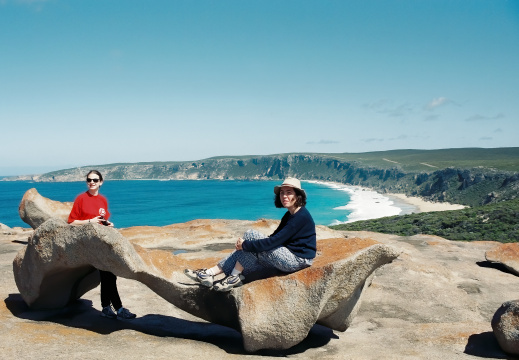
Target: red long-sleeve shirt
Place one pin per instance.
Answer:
(87, 206)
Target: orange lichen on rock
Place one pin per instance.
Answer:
(505, 252)
(266, 290)
(310, 275)
(433, 242)
(264, 223)
(331, 250)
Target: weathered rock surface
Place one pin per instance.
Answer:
(505, 254)
(35, 209)
(59, 266)
(505, 324)
(4, 228)
(435, 301)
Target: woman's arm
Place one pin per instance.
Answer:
(95, 220)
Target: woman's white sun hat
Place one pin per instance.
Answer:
(289, 181)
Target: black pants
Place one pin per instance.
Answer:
(109, 293)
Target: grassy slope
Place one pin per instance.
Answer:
(506, 159)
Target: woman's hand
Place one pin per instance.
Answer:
(239, 244)
(99, 220)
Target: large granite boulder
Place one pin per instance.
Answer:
(60, 264)
(35, 209)
(505, 324)
(507, 255)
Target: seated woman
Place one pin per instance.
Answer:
(290, 248)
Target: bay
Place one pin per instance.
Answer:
(160, 203)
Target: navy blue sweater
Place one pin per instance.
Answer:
(295, 232)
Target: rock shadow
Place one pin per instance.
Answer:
(494, 265)
(485, 345)
(81, 314)
(23, 242)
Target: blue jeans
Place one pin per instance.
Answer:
(279, 258)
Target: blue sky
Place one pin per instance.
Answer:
(96, 82)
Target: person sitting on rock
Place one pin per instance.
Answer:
(92, 207)
(291, 247)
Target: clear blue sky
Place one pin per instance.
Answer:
(96, 82)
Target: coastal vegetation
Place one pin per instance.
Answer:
(495, 222)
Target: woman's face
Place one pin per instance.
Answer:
(288, 197)
(93, 182)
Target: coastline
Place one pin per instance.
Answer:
(366, 204)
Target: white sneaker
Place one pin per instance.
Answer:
(229, 282)
(200, 276)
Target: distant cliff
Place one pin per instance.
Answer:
(454, 175)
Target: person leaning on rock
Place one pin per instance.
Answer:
(290, 248)
(92, 207)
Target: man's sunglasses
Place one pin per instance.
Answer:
(94, 180)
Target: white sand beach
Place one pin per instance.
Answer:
(368, 204)
(426, 206)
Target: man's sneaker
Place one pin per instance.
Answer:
(108, 312)
(229, 282)
(125, 314)
(201, 276)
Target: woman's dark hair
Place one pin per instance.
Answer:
(301, 199)
(97, 173)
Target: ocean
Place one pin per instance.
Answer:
(160, 203)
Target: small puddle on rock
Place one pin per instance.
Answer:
(176, 252)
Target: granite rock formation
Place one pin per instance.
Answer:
(505, 324)
(60, 261)
(507, 255)
(35, 209)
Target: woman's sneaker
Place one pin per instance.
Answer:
(108, 312)
(229, 282)
(125, 314)
(200, 276)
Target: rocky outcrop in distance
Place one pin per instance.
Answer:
(60, 264)
(475, 186)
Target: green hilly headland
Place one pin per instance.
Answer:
(469, 176)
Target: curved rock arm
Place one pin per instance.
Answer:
(60, 261)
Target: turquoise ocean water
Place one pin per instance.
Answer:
(159, 203)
